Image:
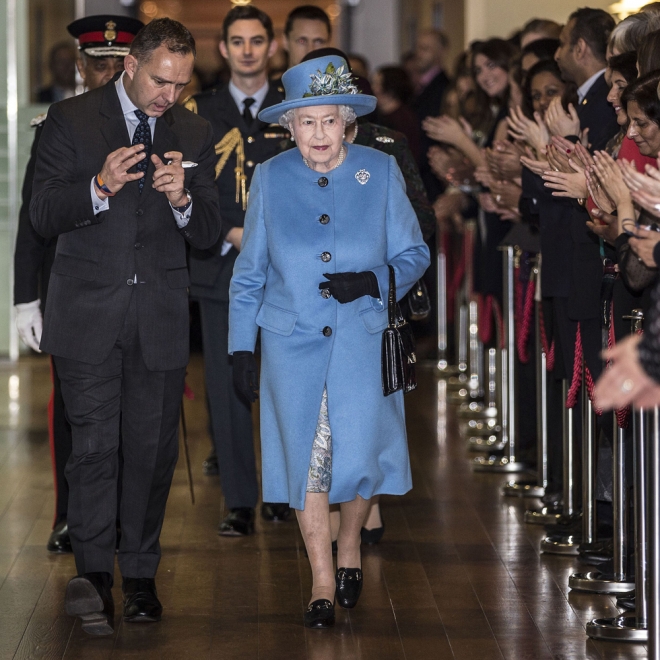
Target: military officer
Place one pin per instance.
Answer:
(242, 141)
(103, 41)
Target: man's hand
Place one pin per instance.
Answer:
(246, 375)
(114, 172)
(30, 323)
(169, 179)
(235, 237)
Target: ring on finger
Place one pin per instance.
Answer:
(627, 386)
(172, 179)
(498, 198)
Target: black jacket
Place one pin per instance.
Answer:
(210, 272)
(33, 254)
(97, 257)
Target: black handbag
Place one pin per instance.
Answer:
(419, 302)
(398, 348)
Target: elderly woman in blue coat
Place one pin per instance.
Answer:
(323, 224)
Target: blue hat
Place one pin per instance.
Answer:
(321, 81)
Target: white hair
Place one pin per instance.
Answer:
(345, 112)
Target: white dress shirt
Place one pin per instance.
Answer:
(584, 88)
(129, 108)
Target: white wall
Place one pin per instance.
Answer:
(376, 31)
(498, 18)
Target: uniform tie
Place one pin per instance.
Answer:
(247, 115)
(143, 136)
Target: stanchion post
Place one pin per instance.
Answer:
(441, 300)
(654, 539)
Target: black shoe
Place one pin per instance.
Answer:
(59, 541)
(210, 465)
(275, 512)
(626, 601)
(373, 536)
(239, 522)
(320, 614)
(141, 602)
(349, 586)
(596, 546)
(89, 597)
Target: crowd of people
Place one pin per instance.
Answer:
(547, 139)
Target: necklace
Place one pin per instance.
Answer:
(340, 160)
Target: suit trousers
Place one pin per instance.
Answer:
(229, 412)
(147, 404)
(59, 435)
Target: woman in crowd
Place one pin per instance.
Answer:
(328, 434)
(393, 90)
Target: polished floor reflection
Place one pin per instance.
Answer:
(457, 575)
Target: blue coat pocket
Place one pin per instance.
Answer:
(374, 321)
(277, 320)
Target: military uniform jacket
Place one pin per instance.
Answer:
(210, 272)
(98, 256)
(33, 256)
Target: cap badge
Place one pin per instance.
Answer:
(362, 176)
(110, 33)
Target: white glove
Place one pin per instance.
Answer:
(30, 323)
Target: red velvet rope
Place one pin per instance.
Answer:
(548, 350)
(524, 318)
(622, 414)
(576, 382)
(485, 315)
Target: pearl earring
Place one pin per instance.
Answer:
(293, 139)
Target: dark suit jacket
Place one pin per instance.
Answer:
(210, 273)
(427, 104)
(98, 256)
(587, 268)
(33, 255)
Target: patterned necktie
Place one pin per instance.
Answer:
(143, 136)
(247, 115)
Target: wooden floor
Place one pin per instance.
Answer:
(458, 575)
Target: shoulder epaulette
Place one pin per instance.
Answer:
(190, 104)
(38, 120)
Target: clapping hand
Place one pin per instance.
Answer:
(504, 160)
(444, 129)
(625, 381)
(643, 242)
(534, 133)
(611, 178)
(531, 163)
(607, 228)
(645, 188)
(559, 121)
(600, 197)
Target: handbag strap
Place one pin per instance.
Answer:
(391, 299)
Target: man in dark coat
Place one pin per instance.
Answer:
(241, 142)
(124, 178)
(99, 59)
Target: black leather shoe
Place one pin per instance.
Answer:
(141, 602)
(239, 522)
(89, 597)
(210, 464)
(349, 586)
(373, 536)
(275, 512)
(626, 601)
(59, 541)
(320, 614)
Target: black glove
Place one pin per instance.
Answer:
(246, 377)
(347, 287)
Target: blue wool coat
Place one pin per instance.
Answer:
(287, 246)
